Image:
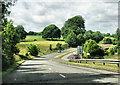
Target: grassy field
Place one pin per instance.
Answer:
(31, 38)
(43, 44)
(110, 67)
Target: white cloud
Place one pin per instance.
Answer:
(36, 14)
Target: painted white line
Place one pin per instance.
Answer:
(62, 75)
(49, 68)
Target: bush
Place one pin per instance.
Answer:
(35, 39)
(112, 50)
(33, 49)
(118, 50)
(58, 46)
(65, 46)
(107, 41)
(26, 54)
(16, 50)
(80, 40)
(5, 63)
(118, 43)
(50, 47)
(71, 39)
(93, 48)
(114, 41)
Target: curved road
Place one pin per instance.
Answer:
(46, 69)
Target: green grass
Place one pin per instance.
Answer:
(30, 38)
(60, 56)
(112, 57)
(19, 59)
(43, 45)
(13, 67)
(109, 67)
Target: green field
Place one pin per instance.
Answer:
(31, 38)
(43, 44)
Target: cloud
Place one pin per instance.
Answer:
(34, 15)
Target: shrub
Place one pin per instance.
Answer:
(16, 50)
(26, 54)
(80, 40)
(33, 49)
(35, 39)
(112, 50)
(50, 47)
(114, 41)
(93, 48)
(118, 50)
(71, 39)
(58, 46)
(118, 43)
(108, 41)
(65, 46)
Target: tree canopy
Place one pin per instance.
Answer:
(118, 34)
(20, 30)
(97, 36)
(51, 31)
(88, 35)
(80, 40)
(93, 48)
(9, 40)
(71, 39)
(75, 24)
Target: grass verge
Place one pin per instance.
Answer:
(13, 67)
(60, 56)
(109, 67)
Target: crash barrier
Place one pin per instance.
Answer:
(104, 61)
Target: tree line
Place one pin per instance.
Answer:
(73, 32)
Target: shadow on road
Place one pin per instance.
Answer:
(59, 78)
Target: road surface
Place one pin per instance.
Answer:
(46, 69)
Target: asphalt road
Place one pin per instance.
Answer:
(46, 69)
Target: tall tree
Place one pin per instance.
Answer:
(93, 48)
(80, 39)
(71, 39)
(97, 36)
(51, 31)
(88, 35)
(76, 24)
(20, 30)
(9, 36)
(118, 34)
(9, 40)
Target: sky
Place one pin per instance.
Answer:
(35, 15)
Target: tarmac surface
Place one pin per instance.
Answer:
(46, 69)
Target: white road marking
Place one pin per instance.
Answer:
(62, 75)
(49, 68)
